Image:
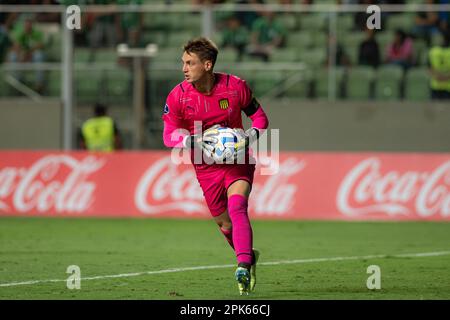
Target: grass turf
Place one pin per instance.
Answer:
(43, 248)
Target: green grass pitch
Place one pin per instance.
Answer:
(42, 249)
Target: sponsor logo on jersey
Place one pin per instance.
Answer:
(224, 104)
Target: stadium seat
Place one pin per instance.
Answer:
(404, 21)
(321, 77)
(54, 83)
(88, 91)
(82, 55)
(300, 40)
(176, 21)
(314, 57)
(288, 20)
(154, 36)
(118, 86)
(313, 21)
(423, 59)
(155, 21)
(264, 80)
(53, 49)
(388, 81)
(284, 55)
(217, 38)
(192, 22)
(359, 83)
(352, 52)
(106, 55)
(320, 40)
(352, 39)
(420, 51)
(3, 84)
(161, 82)
(172, 55)
(417, 84)
(227, 55)
(297, 84)
(178, 39)
(87, 55)
(345, 23)
(436, 39)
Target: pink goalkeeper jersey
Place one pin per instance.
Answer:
(230, 95)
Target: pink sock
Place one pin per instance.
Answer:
(242, 230)
(228, 235)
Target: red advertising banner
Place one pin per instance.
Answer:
(342, 186)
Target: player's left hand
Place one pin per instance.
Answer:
(245, 139)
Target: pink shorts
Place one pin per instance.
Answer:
(216, 179)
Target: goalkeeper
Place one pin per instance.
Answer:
(217, 99)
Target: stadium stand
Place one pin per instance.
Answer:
(359, 83)
(388, 82)
(306, 45)
(417, 84)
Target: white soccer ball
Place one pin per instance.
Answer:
(224, 148)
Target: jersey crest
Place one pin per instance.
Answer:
(224, 104)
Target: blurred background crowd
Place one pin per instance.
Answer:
(394, 63)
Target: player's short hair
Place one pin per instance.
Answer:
(204, 48)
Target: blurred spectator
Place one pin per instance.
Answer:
(426, 24)
(129, 24)
(28, 45)
(247, 18)
(7, 19)
(236, 36)
(369, 52)
(444, 17)
(48, 17)
(101, 27)
(400, 51)
(100, 133)
(341, 57)
(5, 42)
(266, 35)
(439, 65)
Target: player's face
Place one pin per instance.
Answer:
(193, 68)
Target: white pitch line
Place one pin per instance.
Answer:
(299, 261)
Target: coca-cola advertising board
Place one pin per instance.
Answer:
(339, 186)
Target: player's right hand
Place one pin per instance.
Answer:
(206, 142)
(209, 140)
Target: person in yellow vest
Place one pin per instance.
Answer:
(439, 63)
(100, 133)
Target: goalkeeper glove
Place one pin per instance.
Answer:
(205, 142)
(244, 141)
